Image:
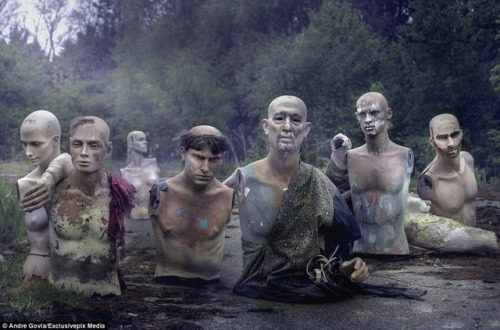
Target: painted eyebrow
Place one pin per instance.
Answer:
(284, 114)
(32, 141)
(89, 141)
(442, 135)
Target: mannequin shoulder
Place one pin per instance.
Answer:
(468, 159)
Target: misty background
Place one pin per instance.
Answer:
(164, 66)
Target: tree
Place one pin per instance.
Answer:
(51, 13)
(447, 53)
(20, 93)
(8, 14)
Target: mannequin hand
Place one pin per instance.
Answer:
(355, 270)
(340, 145)
(38, 195)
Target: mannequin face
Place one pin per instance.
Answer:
(88, 149)
(201, 165)
(139, 143)
(38, 145)
(447, 138)
(286, 126)
(373, 117)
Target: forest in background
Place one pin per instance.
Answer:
(163, 66)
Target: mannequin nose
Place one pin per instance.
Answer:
(204, 166)
(84, 150)
(287, 124)
(368, 118)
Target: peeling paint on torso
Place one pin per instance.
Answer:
(84, 257)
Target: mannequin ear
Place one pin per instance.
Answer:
(307, 129)
(431, 142)
(55, 140)
(389, 113)
(183, 153)
(265, 125)
(109, 147)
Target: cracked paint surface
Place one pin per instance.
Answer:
(84, 258)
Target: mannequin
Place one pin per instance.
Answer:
(141, 172)
(448, 182)
(190, 213)
(40, 135)
(289, 213)
(379, 176)
(86, 215)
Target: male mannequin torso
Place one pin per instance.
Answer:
(452, 193)
(379, 175)
(84, 258)
(190, 212)
(190, 230)
(379, 189)
(262, 201)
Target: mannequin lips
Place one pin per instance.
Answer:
(452, 153)
(286, 138)
(370, 128)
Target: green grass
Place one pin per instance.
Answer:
(16, 168)
(32, 296)
(11, 218)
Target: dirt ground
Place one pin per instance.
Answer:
(147, 305)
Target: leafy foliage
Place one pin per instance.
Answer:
(163, 66)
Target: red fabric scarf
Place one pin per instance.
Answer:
(121, 203)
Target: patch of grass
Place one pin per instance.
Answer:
(16, 168)
(11, 226)
(31, 296)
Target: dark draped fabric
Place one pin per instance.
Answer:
(121, 204)
(313, 220)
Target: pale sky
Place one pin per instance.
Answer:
(32, 19)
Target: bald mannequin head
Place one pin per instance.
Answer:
(42, 120)
(373, 114)
(200, 137)
(136, 143)
(446, 135)
(445, 119)
(372, 98)
(287, 101)
(40, 134)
